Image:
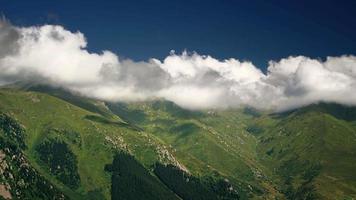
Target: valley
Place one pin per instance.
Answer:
(89, 149)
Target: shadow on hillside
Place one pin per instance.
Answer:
(76, 100)
(103, 120)
(132, 116)
(343, 112)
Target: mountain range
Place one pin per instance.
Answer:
(58, 145)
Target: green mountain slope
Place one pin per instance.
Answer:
(313, 152)
(207, 141)
(88, 149)
(70, 144)
(84, 142)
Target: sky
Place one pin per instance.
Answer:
(197, 54)
(256, 31)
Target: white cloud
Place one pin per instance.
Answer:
(54, 55)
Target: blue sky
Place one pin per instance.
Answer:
(246, 30)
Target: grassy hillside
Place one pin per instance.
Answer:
(70, 144)
(206, 141)
(312, 150)
(87, 149)
(69, 132)
(308, 153)
(18, 179)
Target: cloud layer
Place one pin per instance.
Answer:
(53, 55)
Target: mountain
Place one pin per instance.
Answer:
(313, 149)
(59, 145)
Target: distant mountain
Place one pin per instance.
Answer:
(80, 148)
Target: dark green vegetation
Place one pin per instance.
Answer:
(81, 148)
(12, 131)
(187, 186)
(131, 180)
(60, 160)
(18, 179)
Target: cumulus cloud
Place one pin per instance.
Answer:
(53, 55)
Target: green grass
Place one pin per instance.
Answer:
(309, 137)
(308, 151)
(40, 112)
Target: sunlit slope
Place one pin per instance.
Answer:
(308, 153)
(313, 151)
(305, 153)
(205, 141)
(90, 137)
(72, 142)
